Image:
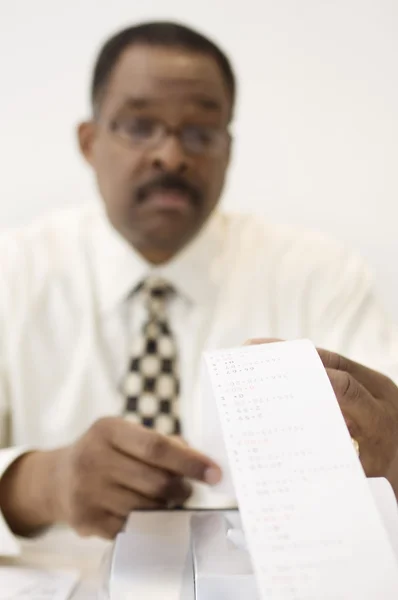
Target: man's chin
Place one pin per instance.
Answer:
(162, 238)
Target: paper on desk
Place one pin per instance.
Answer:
(152, 557)
(310, 521)
(18, 583)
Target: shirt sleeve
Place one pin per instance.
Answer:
(9, 545)
(347, 317)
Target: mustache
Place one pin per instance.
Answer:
(170, 182)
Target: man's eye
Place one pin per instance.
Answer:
(202, 136)
(137, 128)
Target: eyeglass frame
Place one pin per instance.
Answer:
(224, 136)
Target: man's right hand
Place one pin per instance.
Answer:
(114, 468)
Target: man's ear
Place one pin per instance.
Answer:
(86, 133)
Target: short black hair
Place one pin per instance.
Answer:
(156, 33)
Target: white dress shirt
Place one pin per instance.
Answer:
(68, 316)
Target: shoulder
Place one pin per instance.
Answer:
(50, 249)
(62, 224)
(50, 237)
(297, 249)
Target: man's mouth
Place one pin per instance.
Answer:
(170, 199)
(170, 193)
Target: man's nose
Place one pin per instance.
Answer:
(169, 156)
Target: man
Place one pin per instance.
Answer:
(104, 313)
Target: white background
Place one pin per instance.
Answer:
(316, 130)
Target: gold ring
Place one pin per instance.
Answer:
(355, 443)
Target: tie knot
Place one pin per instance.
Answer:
(155, 287)
(155, 291)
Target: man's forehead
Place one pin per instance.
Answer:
(142, 69)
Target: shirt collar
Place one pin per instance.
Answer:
(119, 268)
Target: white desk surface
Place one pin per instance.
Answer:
(61, 548)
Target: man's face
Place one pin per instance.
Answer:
(160, 146)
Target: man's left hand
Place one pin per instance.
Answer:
(369, 403)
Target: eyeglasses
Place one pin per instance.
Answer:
(147, 134)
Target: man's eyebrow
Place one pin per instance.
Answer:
(138, 102)
(207, 103)
(201, 100)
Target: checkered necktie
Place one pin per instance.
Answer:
(152, 383)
